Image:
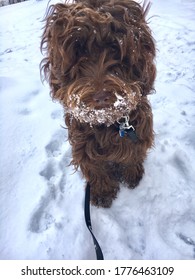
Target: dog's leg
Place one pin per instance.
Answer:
(102, 195)
(132, 174)
(104, 187)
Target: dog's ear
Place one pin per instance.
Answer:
(131, 39)
(61, 44)
(144, 51)
(135, 42)
(67, 30)
(52, 46)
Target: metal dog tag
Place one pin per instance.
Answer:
(125, 127)
(121, 132)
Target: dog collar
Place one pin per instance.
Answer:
(126, 129)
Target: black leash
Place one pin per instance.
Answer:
(98, 250)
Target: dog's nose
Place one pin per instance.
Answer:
(101, 98)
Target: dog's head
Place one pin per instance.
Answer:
(99, 57)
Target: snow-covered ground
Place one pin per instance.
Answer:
(41, 198)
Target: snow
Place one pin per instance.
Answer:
(120, 109)
(41, 197)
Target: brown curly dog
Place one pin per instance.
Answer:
(99, 61)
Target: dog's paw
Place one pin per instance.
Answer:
(104, 202)
(133, 176)
(131, 184)
(104, 198)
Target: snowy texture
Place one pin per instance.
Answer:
(121, 107)
(41, 198)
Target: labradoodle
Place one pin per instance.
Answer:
(99, 61)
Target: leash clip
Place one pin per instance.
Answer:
(123, 126)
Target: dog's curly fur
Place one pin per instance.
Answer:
(100, 65)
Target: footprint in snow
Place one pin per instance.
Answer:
(54, 147)
(24, 112)
(58, 158)
(26, 100)
(42, 219)
(179, 233)
(31, 95)
(57, 114)
(180, 162)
